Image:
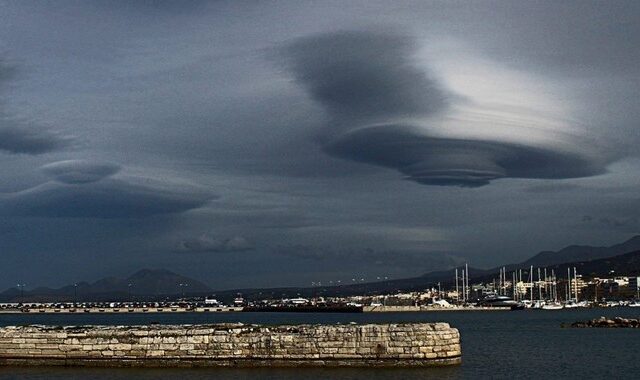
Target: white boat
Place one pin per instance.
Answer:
(634, 304)
(571, 304)
(552, 306)
(538, 304)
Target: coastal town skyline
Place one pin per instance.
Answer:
(266, 144)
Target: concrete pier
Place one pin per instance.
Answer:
(401, 345)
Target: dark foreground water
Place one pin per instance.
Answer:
(505, 344)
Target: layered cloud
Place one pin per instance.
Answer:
(86, 189)
(80, 171)
(456, 162)
(208, 243)
(387, 111)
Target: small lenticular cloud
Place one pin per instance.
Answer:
(80, 171)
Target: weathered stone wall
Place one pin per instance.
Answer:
(232, 344)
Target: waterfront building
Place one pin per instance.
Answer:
(634, 282)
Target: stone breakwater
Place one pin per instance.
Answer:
(420, 344)
(616, 322)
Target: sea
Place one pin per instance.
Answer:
(526, 344)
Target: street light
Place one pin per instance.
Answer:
(21, 287)
(182, 286)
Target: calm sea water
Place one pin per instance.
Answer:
(518, 344)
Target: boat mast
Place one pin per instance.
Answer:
(466, 266)
(575, 279)
(531, 282)
(568, 283)
(546, 284)
(457, 294)
(539, 287)
(464, 299)
(555, 285)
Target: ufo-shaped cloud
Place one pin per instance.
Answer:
(456, 162)
(374, 94)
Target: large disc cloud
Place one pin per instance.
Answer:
(455, 162)
(380, 104)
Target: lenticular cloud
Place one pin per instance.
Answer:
(80, 171)
(382, 108)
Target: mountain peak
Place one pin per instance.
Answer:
(582, 253)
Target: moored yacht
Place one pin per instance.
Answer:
(494, 300)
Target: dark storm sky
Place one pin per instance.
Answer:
(284, 143)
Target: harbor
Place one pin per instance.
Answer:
(566, 352)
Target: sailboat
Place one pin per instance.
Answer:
(555, 304)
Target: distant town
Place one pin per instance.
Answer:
(574, 277)
(536, 288)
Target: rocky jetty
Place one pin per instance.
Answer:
(236, 344)
(616, 322)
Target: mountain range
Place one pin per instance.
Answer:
(157, 284)
(144, 284)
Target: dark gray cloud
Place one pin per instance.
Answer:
(80, 171)
(109, 198)
(208, 243)
(456, 162)
(17, 137)
(359, 76)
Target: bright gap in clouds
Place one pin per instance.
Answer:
(491, 101)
